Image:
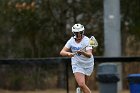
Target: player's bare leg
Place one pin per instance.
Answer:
(81, 80)
(87, 79)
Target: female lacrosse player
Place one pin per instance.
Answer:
(82, 60)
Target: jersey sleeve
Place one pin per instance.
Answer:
(68, 43)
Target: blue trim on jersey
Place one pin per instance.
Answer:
(75, 48)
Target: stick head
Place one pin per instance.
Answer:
(93, 42)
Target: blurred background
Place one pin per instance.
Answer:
(38, 29)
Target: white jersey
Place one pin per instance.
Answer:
(80, 59)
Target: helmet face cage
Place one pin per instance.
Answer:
(76, 33)
(78, 28)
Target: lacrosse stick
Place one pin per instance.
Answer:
(92, 43)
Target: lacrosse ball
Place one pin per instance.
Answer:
(91, 42)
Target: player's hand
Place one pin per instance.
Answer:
(80, 52)
(70, 54)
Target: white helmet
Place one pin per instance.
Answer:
(78, 28)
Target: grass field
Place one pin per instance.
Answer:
(49, 91)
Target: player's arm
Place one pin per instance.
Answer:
(66, 52)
